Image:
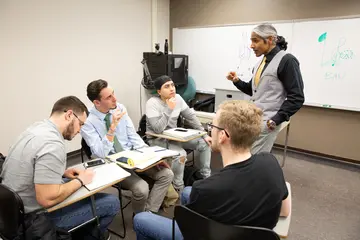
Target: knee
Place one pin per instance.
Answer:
(181, 159)
(186, 192)
(111, 202)
(140, 220)
(167, 175)
(140, 190)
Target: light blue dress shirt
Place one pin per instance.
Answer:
(94, 133)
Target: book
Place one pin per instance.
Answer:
(142, 158)
(135, 156)
(106, 174)
(183, 133)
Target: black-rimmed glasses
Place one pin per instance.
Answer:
(81, 122)
(210, 126)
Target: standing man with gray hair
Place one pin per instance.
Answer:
(276, 86)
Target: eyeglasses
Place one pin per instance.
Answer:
(81, 122)
(210, 126)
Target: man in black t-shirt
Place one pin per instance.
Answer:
(250, 190)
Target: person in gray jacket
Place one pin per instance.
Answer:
(162, 112)
(276, 86)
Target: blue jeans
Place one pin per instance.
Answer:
(106, 205)
(149, 226)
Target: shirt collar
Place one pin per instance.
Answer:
(272, 54)
(99, 114)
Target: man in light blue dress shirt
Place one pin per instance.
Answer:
(109, 129)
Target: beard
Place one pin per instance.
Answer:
(69, 131)
(215, 146)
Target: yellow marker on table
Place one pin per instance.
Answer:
(126, 160)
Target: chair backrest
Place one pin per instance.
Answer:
(195, 226)
(142, 126)
(11, 213)
(85, 148)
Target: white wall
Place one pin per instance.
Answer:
(163, 22)
(50, 49)
(160, 30)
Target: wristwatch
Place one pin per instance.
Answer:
(271, 124)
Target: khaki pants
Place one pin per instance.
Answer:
(142, 198)
(266, 139)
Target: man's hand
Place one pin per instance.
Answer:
(72, 173)
(208, 140)
(232, 76)
(164, 165)
(271, 125)
(171, 102)
(86, 176)
(116, 117)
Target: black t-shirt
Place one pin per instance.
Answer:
(248, 193)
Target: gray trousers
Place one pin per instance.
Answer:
(178, 164)
(142, 198)
(266, 139)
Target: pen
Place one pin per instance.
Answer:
(138, 151)
(161, 150)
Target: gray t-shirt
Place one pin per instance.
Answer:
(37, 157)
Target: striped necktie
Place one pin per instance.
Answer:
(259, 71)
(117, 145)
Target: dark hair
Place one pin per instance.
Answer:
(281, 43)
(69, 103)
(159, 81)
(94, 88)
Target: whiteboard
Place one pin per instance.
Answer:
(214, 51)
(328, 52)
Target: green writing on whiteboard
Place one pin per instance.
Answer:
(322, 37)
(337, 54)
(326, 105)
(334, 75)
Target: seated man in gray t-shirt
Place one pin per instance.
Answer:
(162, 112)
(36, 164)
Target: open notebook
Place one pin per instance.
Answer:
(106, 174)
(144, 157)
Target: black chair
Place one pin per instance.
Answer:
(194, 226)
(86, 149)
(12, 214)
(142, 128)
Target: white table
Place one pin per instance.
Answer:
(81, 194)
